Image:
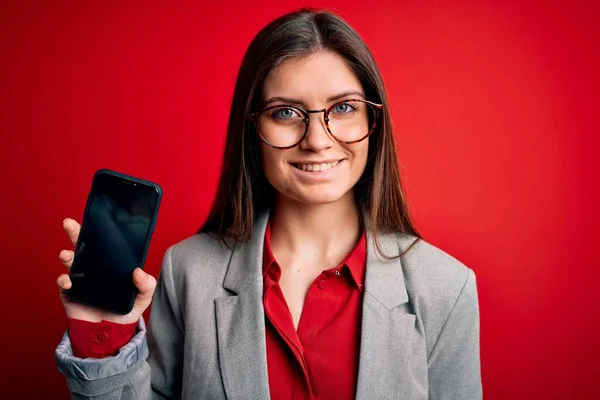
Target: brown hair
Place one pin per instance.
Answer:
(243, 191)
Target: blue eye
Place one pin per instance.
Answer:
(343, 108)
(285, 113)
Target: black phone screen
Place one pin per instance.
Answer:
(115, 233)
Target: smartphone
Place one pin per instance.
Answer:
(116, 229)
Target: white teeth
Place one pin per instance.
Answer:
(317, 167)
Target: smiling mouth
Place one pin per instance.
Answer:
(317, 167)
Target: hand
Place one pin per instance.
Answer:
(144, 282)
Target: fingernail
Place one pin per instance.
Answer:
(65, 220)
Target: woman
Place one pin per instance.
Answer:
(308, 279)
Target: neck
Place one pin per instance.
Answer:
(322, 230)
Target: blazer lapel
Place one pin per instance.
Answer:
(241, 323)
(387, 327)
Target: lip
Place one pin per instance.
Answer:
(318, 162)
(320, 176)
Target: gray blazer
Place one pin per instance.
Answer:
(419, 340)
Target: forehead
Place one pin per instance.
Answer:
(312, 78)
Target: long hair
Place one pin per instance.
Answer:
(243, 191)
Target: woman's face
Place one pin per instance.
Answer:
(319, 170)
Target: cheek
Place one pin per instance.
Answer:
(361, 155)
(271, 163)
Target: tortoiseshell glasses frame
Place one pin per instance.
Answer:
(376, 108)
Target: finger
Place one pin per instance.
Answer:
(72, 228)
(145, 283)
(64, 283)
(66, 257)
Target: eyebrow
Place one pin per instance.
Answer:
(289, 100)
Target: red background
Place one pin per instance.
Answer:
(496, 107)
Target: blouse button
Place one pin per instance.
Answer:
(322, 284)
(101, 337)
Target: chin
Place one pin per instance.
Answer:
(316, 196)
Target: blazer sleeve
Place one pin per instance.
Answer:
(454, 361)
(148, 367)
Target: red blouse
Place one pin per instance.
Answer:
(320, 359)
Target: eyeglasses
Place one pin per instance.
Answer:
(348, 121)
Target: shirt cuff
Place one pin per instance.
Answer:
(98, 339)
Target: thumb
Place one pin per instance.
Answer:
(145, 284)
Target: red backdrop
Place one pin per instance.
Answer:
(495, 105)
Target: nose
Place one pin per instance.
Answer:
(317, 138)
